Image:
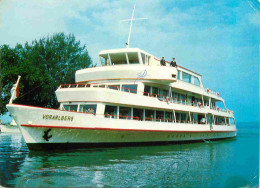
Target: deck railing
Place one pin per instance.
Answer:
(212, 92)
(155, 95)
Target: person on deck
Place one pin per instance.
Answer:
(163, 62)
(173, 63)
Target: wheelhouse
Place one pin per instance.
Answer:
(125, 56)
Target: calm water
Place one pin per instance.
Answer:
(226, 163)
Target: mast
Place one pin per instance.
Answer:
(130, 29)
(131, 23)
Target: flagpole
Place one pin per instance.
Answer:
(14, 90)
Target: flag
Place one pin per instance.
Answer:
(15, 91)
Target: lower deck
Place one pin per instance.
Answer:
(127, 112)
(50, 126)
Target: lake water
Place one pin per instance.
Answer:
(225, 163)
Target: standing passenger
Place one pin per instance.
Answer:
(162, 61)
(173, 63)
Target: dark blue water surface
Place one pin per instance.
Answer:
(225, 163)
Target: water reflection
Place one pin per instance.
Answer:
(12, 155)
(188, 165)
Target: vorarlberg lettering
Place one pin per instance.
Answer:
(56, 117)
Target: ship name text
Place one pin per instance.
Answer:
(57, 117)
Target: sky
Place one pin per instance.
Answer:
(218, 39)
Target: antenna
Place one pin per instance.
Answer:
(131, 22)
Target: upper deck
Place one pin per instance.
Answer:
(130, 63)
(127, 64)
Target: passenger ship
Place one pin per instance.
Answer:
(129, 100)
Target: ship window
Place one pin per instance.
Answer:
(89, 108)
(232, 121)
(184, 117)
(168, 116)
(177, 98)
(186, 77)
(201, 119)
(147, 90)
(111, 111)
(143, 58)
(118, 59)
(133, 57)
(71, 107)
(196, 81)
(209, 119)
(179, 75)
(104, 60)
(206, 102)
(189, 100)
(124, 113)
(165, 93)
(115, 87)
(149, 115)
(194, 118)
(138, 114)
(129, 88)
(159, 115)
(178, 117)
(155, 91)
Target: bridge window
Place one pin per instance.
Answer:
(118, 59)
(143, 58)
(133, 57)
(104, 59)
(88, 108)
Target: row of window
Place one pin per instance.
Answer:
(161, 94)
(86, 108)
(118, 112)
(176, 97)
(123, 58)
(188, 78)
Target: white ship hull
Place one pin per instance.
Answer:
(9, 129)
(48, 128)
